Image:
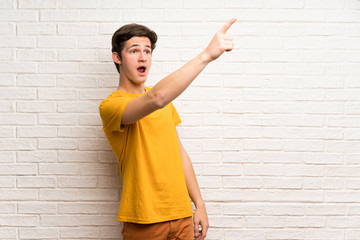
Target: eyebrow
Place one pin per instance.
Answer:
(138, 45)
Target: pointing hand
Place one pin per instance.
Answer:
(220, 42)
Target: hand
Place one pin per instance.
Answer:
(220, 42)
(200, 218)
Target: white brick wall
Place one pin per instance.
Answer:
(273, 127)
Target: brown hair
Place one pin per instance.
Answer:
(128, 31)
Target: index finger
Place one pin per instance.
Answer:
(226, 27)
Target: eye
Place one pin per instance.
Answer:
(147, 51)
(133, 51)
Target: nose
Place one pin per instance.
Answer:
(142, 57)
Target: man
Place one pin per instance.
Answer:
(139, 123)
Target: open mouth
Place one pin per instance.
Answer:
(141, 69)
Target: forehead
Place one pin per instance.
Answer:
(140, 41)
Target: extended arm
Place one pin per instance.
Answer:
(174, 84)
(200, 216)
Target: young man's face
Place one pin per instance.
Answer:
(136, 60)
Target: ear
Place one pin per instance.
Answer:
(116, 58)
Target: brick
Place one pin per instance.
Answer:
(98, 169)
(78, 107)
(56, 42)
(37, 4)
(40, 233)
(76, 156)
(78, 4)
(57, 94)
(283, 195)
(6, 132)
(8, 233)
(352, 159)
(77, 208)
(262, 144)
(37, 208)
(84, 232)
(18, 16)
(282, 209)
(35, 80)
(35, 55)
(18, 195)
(77, 29)
(7, 208)
(32, 182)
(19, 169)
(96, 68)
(263, 170)
(265, 222)
(7, 80)
(202, 4)
(123, 3)
(79, 195)
(240, 107)
(84, 132)
(35, 107)
(342, 146)
(101, 15)
(18, 93)
(243, 4)
(282, 157)
(110, 232)
(20, 144)
(325, 210)
(58, 169)
(303, 145)
(241, 182)
(223, 144)
(202, 132)
(18, 67)
(343, 222)
(7, 182)
(323, 183)
(57, 143)
(58, 67)
(6, 55)
(60, 220)
(282, 183)
(59, 15)
(90, 120)
(321, 4)
(7, 156)
(76, 55)
(36, 29)
(35, 156)
(293, 4)
(188, 15)
(246, 157)
(24, 42)
(294, 233)
(227, 221)
(223, 195)
(323, 158)
(31, 132)
(233, 234)
(109, 182)
(7, 4)
(327, 234)
(304, 170)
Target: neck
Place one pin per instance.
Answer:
(130, 87)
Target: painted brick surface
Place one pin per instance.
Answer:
(272, 128)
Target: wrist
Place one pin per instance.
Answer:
(205, 57)
(200, 204)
